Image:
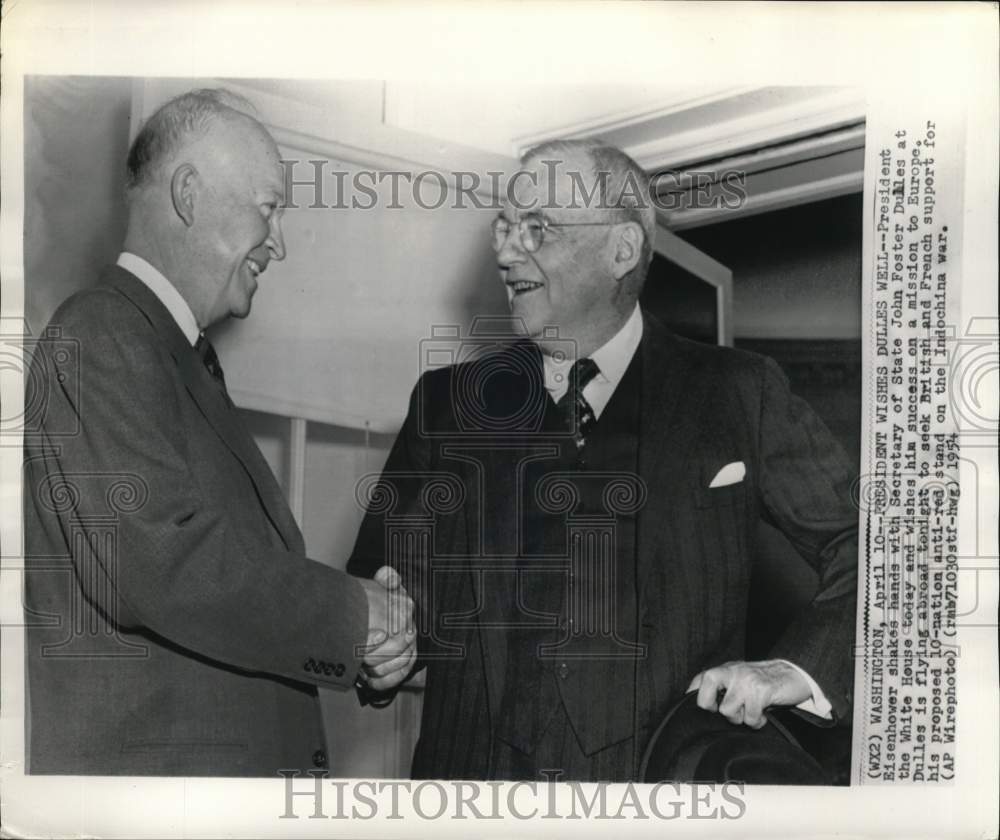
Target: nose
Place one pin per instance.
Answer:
(275, 240)
(511, 251)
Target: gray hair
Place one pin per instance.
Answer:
(183, 117)
(623, 184)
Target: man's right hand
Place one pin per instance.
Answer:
(391, 644)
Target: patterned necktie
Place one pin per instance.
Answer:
(573, 406)
(211, 360)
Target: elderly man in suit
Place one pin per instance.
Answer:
(175, 624)
(591, 562)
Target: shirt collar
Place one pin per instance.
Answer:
(612, 358)
(165, 291)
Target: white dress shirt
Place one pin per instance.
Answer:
(164, 291)
(612, 359)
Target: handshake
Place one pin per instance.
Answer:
(391, 647)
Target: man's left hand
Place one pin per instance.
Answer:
(741, 691)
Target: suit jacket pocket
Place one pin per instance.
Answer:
(710, 497)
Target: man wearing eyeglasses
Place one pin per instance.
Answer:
(612, 476)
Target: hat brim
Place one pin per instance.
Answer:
(692, 744)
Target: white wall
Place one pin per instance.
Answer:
(75, 143)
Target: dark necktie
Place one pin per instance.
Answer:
(211, 360)
(573, 406)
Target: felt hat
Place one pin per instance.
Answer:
(692, 744)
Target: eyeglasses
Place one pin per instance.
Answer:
(531, 228)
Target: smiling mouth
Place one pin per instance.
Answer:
(255, 267)
(520, 287)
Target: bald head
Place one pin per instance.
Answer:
(177, 123)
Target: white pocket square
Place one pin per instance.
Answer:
(730, 474)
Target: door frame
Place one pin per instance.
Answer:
(671, 247)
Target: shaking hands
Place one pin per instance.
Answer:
(391, 647)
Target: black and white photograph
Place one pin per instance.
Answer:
(547, 444)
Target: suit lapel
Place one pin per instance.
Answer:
(520, 394)
(213, 404)
(671, 391)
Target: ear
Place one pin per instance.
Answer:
(628, 249)
(182, 192)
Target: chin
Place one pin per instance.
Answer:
(241, 310)
(530, 319)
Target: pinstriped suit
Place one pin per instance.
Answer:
(700, 408)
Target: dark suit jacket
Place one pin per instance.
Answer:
(175, 625)
(701, 408)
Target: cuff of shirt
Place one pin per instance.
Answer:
(817, 704)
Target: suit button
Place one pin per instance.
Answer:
(338, 671)
(319, 758)
(563, 670)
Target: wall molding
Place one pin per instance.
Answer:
(779, 199)
(765, 128)
(626, 120)
(712, 134)
(824, 144)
